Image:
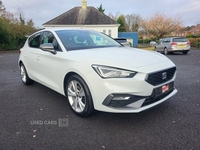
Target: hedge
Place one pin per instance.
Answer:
(194, 42)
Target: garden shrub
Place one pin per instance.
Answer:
(194, 42)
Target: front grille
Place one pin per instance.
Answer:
(158, 94)
(151, 100)
(160, 77)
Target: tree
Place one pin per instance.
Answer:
(22, 21)
(114, 17)
(121, 21)
(4, 32)
(161, 25)
(101, 9)
(20, 14)
(2, 9)
(30, 23)
(132, 22)
(13, 30)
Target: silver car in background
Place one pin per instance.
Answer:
(173, 44)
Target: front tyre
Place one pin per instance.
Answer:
(166, 51)
(24, 76)
(79, 97)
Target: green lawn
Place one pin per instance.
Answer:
(148, 48)
(145, 46)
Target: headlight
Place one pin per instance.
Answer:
(111, 72)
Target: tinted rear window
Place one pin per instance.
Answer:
(180, 40)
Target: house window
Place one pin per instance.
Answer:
(109, 32)
(104, 31)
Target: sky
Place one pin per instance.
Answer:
(42, 11)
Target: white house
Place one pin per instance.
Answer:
(86, 17)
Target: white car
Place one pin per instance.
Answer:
(95, 72)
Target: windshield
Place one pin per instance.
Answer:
(84, 39)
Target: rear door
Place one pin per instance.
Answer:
(159, 46)
(30, 55)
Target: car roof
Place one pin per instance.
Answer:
(61, 29)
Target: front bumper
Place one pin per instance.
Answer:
(137, 93)
(124, 100)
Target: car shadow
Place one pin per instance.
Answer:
(55, 101)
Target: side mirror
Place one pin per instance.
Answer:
(48, 47)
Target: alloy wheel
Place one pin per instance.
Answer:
(23, 74)
(76, 96)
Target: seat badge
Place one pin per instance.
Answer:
(164, 75)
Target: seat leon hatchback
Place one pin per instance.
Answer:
(94, 72)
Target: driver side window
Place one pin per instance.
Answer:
(48, 37)
(34, 41)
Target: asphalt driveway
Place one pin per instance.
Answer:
(36, 118)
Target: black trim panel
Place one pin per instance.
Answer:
(155, 96)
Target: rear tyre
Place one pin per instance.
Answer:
(79, 96)
(24, 76)
(166, 51)
(185, 52)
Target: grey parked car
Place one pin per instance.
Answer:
(173, 44)
(123, 41)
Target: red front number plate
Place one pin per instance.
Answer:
(165, 88)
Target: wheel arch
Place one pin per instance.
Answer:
(73, 72)
(67, 76)
(20, 63)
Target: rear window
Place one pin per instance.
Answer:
(180, 40)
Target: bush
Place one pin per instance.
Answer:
(140, 41)
(144, 41)
(12, 35)
(197, 44)
(194, 42)
(193, 36)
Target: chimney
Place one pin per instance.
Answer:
(84, 4)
